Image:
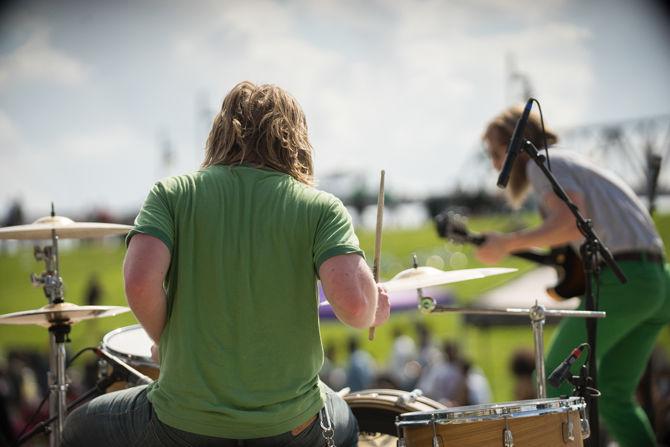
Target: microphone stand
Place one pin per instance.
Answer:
(590, 249)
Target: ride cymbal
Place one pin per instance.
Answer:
(65, 229)
(61, 313)
(420, 277)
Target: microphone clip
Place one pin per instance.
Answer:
(583, 384)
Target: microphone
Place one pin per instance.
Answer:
(562, 371)
(122, 370)
(514, 146)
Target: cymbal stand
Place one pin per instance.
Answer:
(99, 388)
(426, 304)
(52, 284)
(537, 318)
(537, 314)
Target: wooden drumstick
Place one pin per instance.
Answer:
(378, 240)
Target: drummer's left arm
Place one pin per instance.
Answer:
(144, 269)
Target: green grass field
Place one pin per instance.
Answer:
(490, 349)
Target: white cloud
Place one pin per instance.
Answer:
(9, 134)
(37, 60)
(92, 168)
(405, 85)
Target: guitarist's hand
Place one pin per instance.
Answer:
(494, 249)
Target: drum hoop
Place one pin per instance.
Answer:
(382, 398)
(513, 410)
(137, 359)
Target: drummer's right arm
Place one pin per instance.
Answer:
(351, 290)
(144, 269)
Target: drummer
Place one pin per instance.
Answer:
(221, 272)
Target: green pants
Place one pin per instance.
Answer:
(636, 313)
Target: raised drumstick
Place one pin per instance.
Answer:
(378, 240)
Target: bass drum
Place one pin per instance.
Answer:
(377, 409)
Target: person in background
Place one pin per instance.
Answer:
(637, 310)
(444, 380)
(522, 366)
(331, 373)
(478, 388)
(361, 368)
(403, 367)
(93, 293)
(221, 271)
(428, 349)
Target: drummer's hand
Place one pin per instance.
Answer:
(155, 354)
(383, 307)
(494, 249)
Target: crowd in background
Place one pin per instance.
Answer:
(444, 373)
(438, 368)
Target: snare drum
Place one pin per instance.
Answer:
(532, 423)
(377, 409)
(132, 345)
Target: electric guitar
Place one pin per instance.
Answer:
(566, 261)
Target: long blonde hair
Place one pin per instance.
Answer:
(500, 129)
(262, 126)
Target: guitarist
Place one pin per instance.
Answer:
(637, 310)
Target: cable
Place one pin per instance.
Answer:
(78, 354)
(39, 408)
(544, 134)
(32, 418)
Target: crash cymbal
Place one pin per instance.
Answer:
(65, 229)
(420, 277)
(62, 312)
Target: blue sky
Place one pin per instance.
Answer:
(90, 91)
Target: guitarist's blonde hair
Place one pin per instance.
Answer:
(500, 130)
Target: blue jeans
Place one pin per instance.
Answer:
(126, 418)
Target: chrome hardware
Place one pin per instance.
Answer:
(508, 439)
(568, 431)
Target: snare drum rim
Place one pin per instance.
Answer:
(390, 398)
(486, 412)
(139, 360)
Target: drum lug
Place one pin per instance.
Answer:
(585, 427)
(568, 431)
(508, 438)
(437, 439)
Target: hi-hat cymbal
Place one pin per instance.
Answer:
(65, 229)
(62, 312)
(420, 277)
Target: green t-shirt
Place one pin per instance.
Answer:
(241, 348)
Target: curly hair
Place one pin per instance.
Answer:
(505, 122)
(263, 126)
(500, 130)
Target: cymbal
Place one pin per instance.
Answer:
(65, 229)
(420, 277)
(62, 312)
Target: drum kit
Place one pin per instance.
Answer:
(58, 316)
(396, 417)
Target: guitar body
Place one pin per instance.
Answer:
(570, 270)
(566, 261)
